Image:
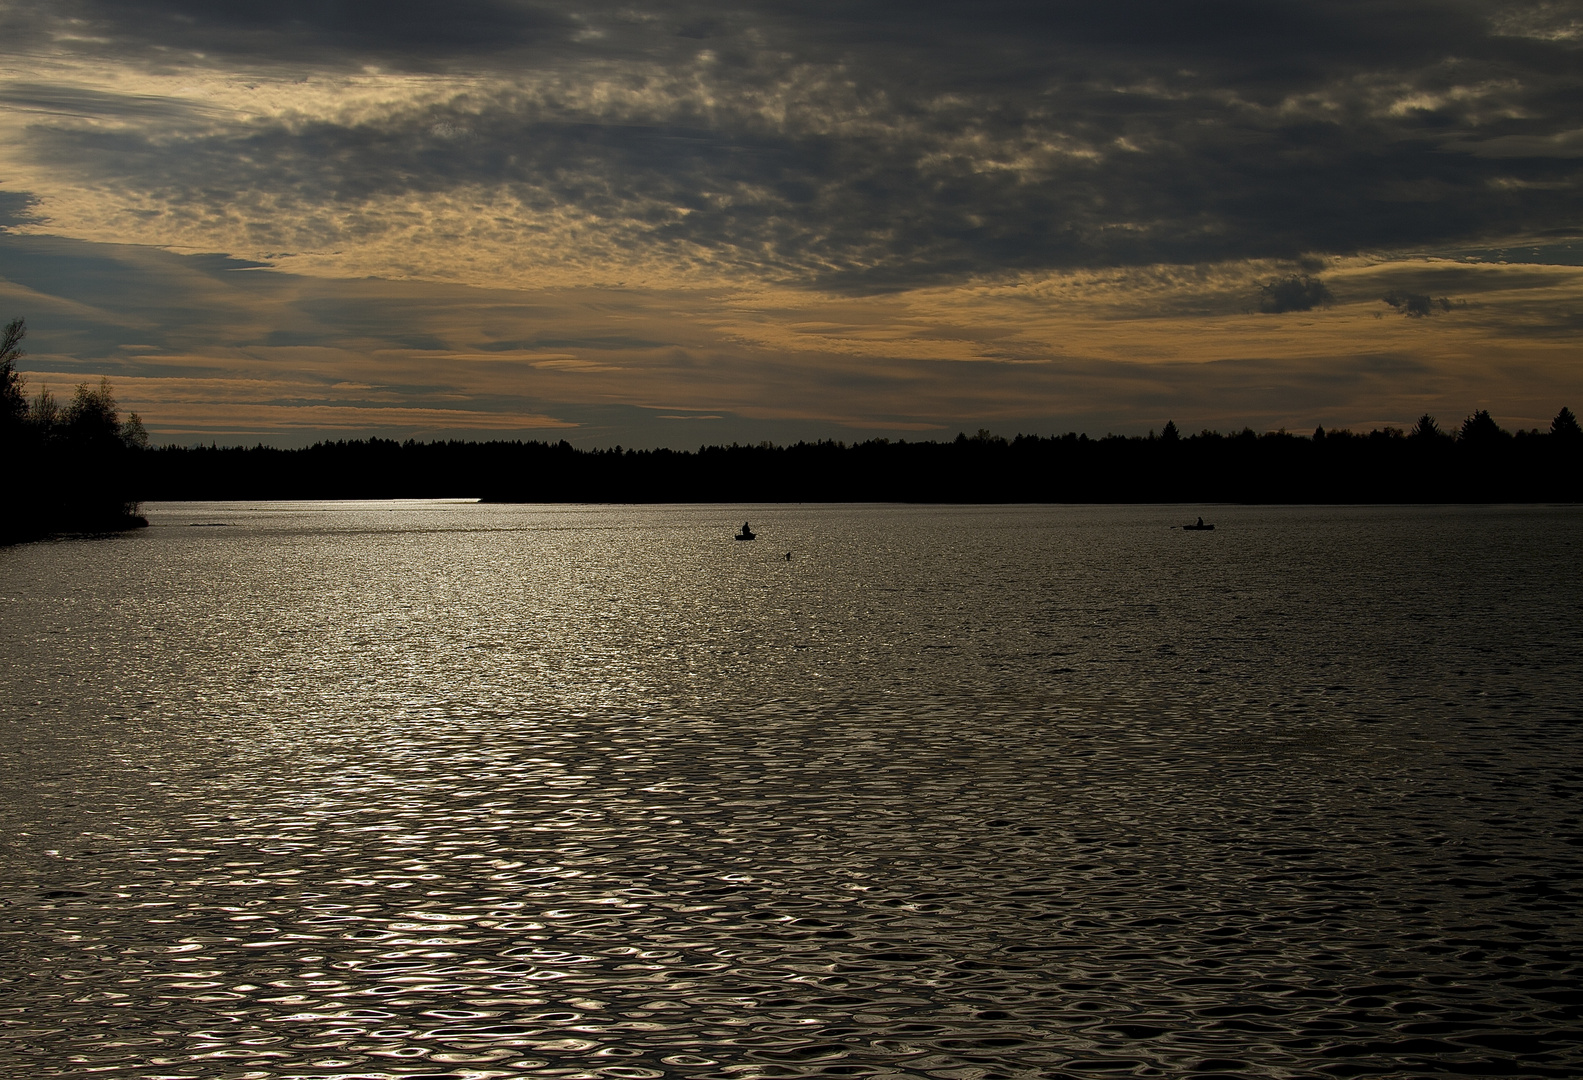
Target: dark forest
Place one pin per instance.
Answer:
(88, 470)
(1478, 462)
(73, 466)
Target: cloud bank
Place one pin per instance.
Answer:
(1208, 158)
(856, 146)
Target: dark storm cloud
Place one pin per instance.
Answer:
(988, 43)
(1417, 305)
(1298, 292)
(909, 142)
(338, 31)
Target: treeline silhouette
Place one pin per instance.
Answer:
(1479, 462)
(74, 466)
(78, 466)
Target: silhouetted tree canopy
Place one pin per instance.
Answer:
(1427, 428)
(91, 421)
(88, 467)
(79, 458)
(1334, 466)
(1481, 428)
(13, 395)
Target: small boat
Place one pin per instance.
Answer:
(746, 533)
(1200, 527)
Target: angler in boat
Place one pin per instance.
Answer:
(746, 533)
(1200, 527)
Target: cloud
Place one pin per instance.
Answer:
(1417, 305)
(862, 147)
(267, 354)
(16, 208)
(258, 30)
(1299, 292)
(84, 103)
(867, 216)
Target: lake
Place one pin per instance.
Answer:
(418, 789)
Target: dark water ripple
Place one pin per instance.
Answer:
(472, 792)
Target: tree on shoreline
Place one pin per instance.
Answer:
(86, 466)
(79, 455)
(13, 388)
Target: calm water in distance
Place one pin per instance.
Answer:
(416, 789)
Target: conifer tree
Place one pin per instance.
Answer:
(1426, 428)
(1481, 428)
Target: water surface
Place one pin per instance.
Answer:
(416, 789)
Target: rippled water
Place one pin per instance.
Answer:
(407, 789)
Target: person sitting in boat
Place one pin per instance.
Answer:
(746, 530)
(1200, 523)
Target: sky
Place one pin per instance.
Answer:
(682, 223)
